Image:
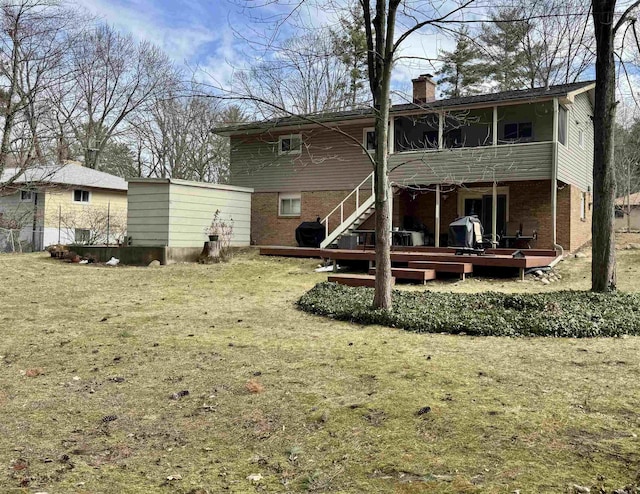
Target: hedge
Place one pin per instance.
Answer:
(560, 314)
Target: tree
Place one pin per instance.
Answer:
(305, 77)
(538, 43)
(350, 45)
(603, 267)
(34, 36)
(502, 38)
(113, 77)
(460, 71)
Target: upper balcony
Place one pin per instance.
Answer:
(460, 147)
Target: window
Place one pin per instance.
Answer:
(82, 236)
(581, 138)
(369, 139)
(430, 139)
(289, 205)
(453, 138)
(81, 195)
(290, 144)
(562, 126)
(26, 196)
(521, 131)
(583, 206)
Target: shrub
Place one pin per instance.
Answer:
(559, 314)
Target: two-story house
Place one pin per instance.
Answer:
(520, 160)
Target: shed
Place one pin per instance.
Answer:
(173, 213)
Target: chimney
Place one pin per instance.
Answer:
(424, 89)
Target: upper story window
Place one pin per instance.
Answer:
(562, 125)
(289, 205)
(581, 138)
(26, 196)
(81, 195)
(430, 139)
(290, 144)
(369, 140)
(520, 131)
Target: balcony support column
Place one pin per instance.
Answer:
(437, 222)
(494, 216)
(494, 130)
(440, 130)
(554, 175)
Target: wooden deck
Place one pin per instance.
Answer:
(493, 258)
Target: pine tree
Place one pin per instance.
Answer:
(505, 58)
(460, 72)
(350, 45)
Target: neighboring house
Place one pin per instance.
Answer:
(628, 212)
(63, 204)
(449, 158)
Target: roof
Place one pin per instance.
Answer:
(189, 183)
(523, 95)
(69, 174)
(634, 200)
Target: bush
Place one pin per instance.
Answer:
(559, 314)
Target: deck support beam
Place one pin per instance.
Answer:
(437, 223)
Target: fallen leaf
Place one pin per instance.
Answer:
(254, 477)
(254, 386)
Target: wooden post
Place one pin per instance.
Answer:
(437, 224)
(440, 130)
(494, 216)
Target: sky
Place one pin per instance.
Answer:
(214, 36)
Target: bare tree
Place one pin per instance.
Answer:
(306, 76)
(114, 76)
(34, 38)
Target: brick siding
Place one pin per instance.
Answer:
(529, 202)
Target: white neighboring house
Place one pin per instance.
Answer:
(61, 204)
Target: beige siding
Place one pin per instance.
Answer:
(575, 164)
(530, 161)
(59, 203)
(329, 161)
(192, 207)
(148, 213)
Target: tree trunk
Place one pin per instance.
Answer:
(603, 268)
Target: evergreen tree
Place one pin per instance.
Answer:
(460, 71)
(505, 58)
(350, 45)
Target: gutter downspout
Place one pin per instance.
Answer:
(554, 180)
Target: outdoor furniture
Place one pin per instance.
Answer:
(407, 238)
(520, 235)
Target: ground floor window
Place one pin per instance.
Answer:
(82, 236)
(289, 205)
(583, 206)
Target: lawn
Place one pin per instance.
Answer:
(94, 360)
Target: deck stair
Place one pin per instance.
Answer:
(364, 208)
(461, 268)
(422, 275)
(356, 279)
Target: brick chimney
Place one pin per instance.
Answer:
(424, 89)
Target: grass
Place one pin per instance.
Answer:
(94, 360)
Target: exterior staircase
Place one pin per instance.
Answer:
(364, 208)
